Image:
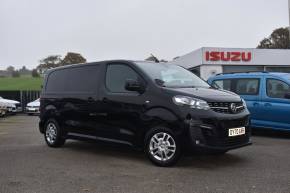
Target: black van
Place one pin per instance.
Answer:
(160, 108)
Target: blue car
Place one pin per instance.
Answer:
(267, 95)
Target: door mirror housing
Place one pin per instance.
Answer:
(133, 85)
(287, 95)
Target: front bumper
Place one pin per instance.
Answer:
(14, 109)
(32, 110)
(2, 111)
(212, 133)
(17, 110)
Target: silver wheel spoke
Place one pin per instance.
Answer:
(164, 137)
(163, 155)
(156, 152)
(153, 149)
(155, 139)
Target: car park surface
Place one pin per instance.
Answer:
(28, 165)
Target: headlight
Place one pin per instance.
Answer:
(192, 102)
(244, 103)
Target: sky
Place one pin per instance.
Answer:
(131, 29)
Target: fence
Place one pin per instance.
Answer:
(23, 97)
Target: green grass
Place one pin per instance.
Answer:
(21, 83)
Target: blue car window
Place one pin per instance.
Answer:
(247, 86)
(223, 84)
(277, 88)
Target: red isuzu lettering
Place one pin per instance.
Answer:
(228, 56)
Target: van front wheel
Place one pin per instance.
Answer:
(52, 134)
(162, 147)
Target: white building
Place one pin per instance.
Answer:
(209, 61)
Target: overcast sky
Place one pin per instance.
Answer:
(131, 29)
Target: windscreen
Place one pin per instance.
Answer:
(170, 75)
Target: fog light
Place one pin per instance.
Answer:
(197, 142)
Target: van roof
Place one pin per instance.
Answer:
(94, 63)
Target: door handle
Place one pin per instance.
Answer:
(267, 104)
(93, 114)
(98, 114)
(105, 100)
(91, 100)
(255, 104)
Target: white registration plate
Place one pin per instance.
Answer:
(237, 131)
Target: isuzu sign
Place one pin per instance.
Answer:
(228, 56)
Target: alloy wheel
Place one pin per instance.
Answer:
(162, 146)
(51, 133)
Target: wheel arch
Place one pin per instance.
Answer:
(161, 117)
(49, 112)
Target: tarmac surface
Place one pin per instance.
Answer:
(27, 165)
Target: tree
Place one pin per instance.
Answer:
(34, 73)
(10, 69)
(49, 62)
(15, 74)
(279, 39)
(152, 58)
(24, 71)
(73, 58)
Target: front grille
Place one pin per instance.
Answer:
(33, 107)
(218, 135)
(227, 107)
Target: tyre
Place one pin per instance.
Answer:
(53, 134)
(162, 147)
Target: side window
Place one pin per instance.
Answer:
(277, 88)
(116, 77)
(56, 81)
(73, 80)
(247, 86)
(223, 84)
(82, 79)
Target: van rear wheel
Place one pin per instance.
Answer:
(162, 147)
(52, 134)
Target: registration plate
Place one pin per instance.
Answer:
(237, 131)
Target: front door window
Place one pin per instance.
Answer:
(117, 75)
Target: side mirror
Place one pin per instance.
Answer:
(133, 85)
(287, 95)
